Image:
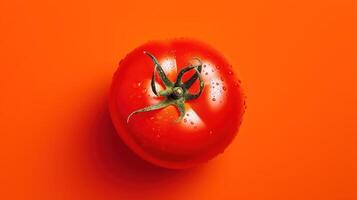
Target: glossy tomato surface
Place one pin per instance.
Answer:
(210, 122)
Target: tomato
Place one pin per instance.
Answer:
(176, 103)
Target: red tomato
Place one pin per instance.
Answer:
(190, 119)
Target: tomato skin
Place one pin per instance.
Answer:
(211, 121)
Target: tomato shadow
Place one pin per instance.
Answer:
(106, 162)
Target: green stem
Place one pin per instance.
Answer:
(175, 93)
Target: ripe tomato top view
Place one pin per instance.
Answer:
(176, 103)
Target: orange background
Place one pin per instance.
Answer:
(297, 61)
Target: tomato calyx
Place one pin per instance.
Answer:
(174, 93)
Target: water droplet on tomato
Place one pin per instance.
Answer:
(213, 99)
(210, 132)
(230, 72)
(204, 66)
(192, 123)
(224, 88)
(139, 84)
(185, 120)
